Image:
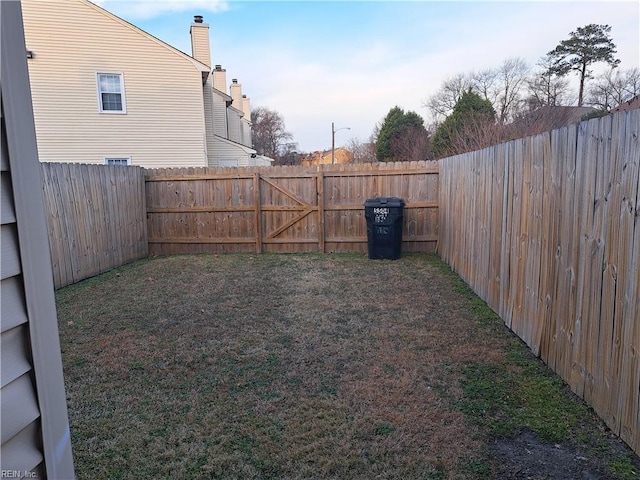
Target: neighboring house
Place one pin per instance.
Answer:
(628, 105)
(324, 157)
(232, 124)
(36, 440)
(105, 91)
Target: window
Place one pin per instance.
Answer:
(117, 160)
(227, 162)
(111, 93)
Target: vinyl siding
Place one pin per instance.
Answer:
(220, 115)
(18, 410)
(209, 120)
(235, 126)
(226, 151)
(34, 428)
(246, 133)
(72, 41)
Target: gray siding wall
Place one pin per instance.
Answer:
(34, 429)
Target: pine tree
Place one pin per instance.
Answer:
(587, 45)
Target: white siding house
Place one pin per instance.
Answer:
(232, 125)
(105, 91)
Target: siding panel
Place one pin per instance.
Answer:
(18, 393)
(6, 202)
(227, 152)
(14, 356)
(13, 310)
(235, 127)
(10, 264)
(20, 452)
(220, 115)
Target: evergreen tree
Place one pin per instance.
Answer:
(468, 127)
(396, 125)
(587, 45)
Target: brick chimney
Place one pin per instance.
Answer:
(200, 47)
(236, 94)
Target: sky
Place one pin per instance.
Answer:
(350, 62)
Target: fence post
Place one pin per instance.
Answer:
(257, 212)
(320, 196)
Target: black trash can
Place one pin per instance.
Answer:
(384, 226)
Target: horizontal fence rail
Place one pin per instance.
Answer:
(286, 209)
(546, 229)
(96, 218)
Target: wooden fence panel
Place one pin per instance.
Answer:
(563, 210)
(626, 408)
(286, 209)
(96, 218)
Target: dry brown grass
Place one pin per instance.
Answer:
(292, 367)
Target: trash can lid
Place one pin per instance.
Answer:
(384, 202)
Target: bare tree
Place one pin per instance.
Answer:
(512, 76)
(478, 132)
(363, 152)
(542, 119)
(441, 103)
(486, 84)
(613, 88)
(412, 145)
(546, 88)
(270, 137)
(503, 87)
(287, 154)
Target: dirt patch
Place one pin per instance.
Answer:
(526, 457)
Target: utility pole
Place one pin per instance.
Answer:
(333, 144)
(333, 141)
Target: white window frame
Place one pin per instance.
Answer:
(117, 158)
(120, 75)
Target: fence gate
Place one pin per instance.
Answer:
(287, 211)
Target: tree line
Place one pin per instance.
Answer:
(473, 110)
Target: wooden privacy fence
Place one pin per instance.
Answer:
(546, 229)
(96, 218)
(285, 209)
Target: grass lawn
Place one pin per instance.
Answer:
(312, 367)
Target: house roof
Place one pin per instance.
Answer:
(265, 158)
(236, 144)
(205, 69)
(628, 105)
(324, 157)
(227, 98)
